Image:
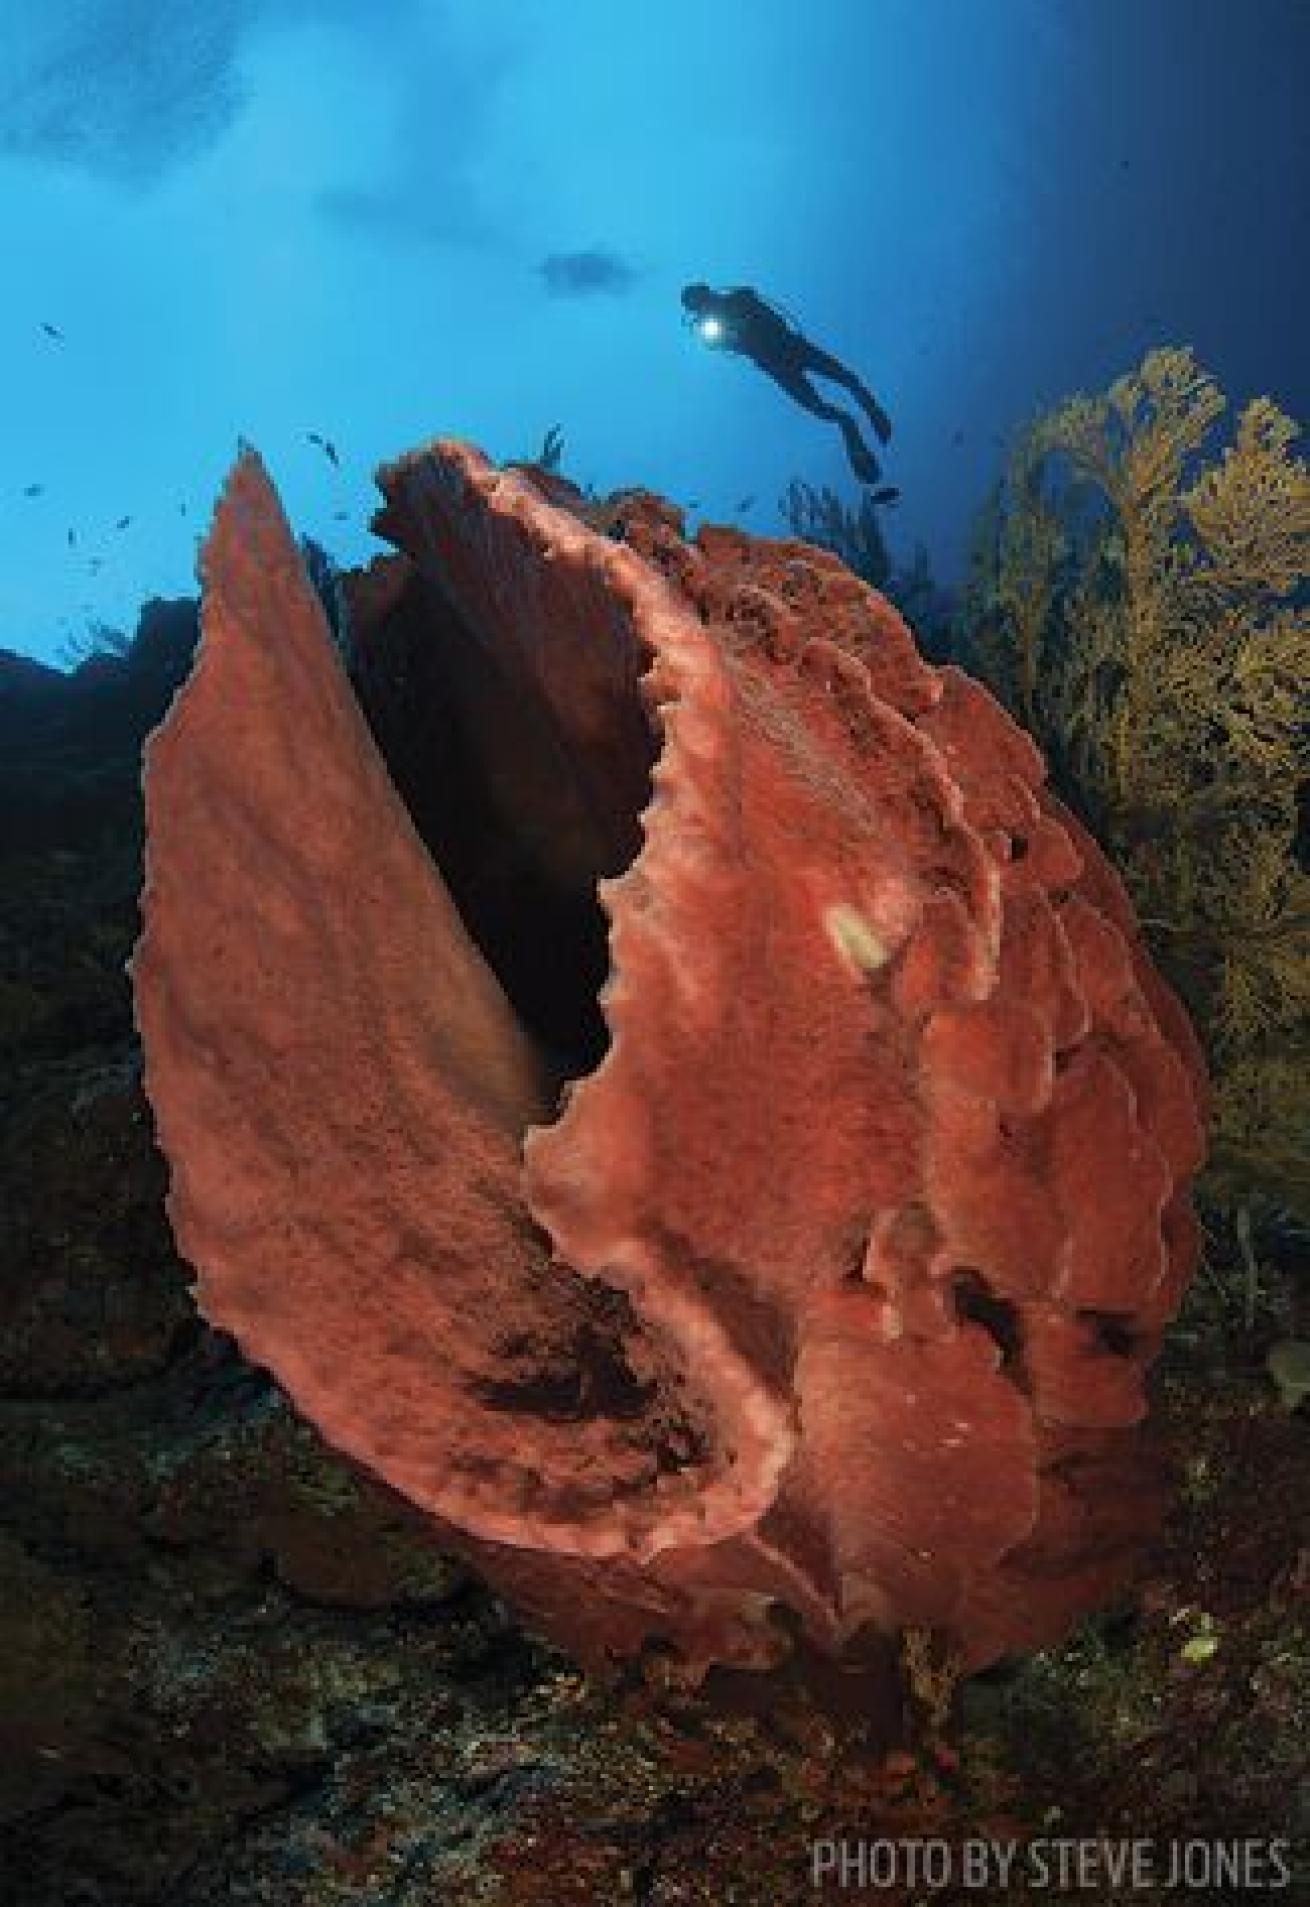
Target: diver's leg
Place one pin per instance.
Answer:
(822, 364)
(862, 460)
(860, 457)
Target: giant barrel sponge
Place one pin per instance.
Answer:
(649, 1067)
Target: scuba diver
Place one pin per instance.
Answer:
(743, 322)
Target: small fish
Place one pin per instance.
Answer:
(694, 504)
(339, 516)
(888, 494)
(746, 502)
(957, 437)
(72, 539)
(325, 444)
(34, 489)
(122, 522)
(96, 563)
(52, 330)
(181, 509)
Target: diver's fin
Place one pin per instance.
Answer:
(862, 460)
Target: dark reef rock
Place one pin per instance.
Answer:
(70, 745)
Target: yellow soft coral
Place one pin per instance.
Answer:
(1143, 608)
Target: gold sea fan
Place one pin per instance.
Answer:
(1139, 598)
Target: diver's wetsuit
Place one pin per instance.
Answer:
(743, 322)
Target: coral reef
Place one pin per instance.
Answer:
(237, 1671)
(809, 1259)
(1141, 605)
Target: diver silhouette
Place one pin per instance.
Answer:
(743, 322)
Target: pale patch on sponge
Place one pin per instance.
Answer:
(854, 938)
